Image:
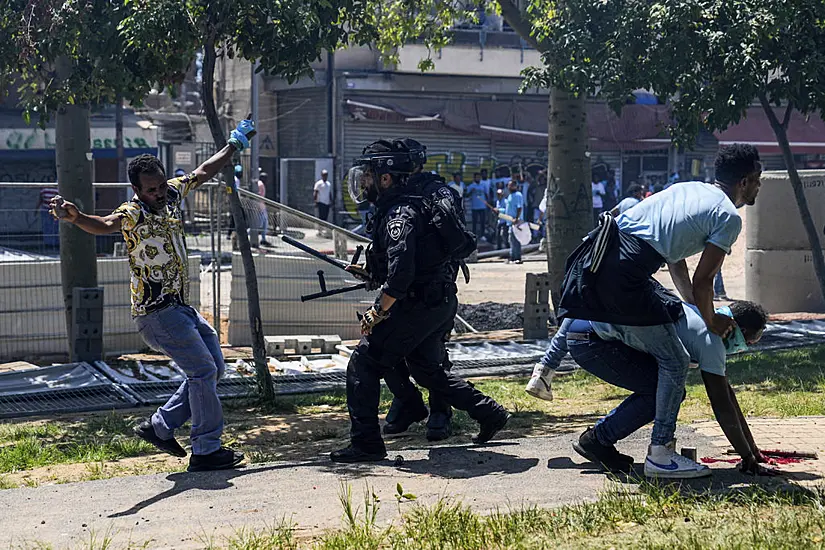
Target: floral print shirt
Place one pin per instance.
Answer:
(157, 249)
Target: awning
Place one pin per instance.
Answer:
(806, 136)
(640, 127)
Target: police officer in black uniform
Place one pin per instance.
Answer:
(413, 313)
(402, 415)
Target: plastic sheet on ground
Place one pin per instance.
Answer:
(81, 387)
(73, 387)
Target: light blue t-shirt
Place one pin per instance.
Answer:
(704, 347)
(478, 195)
(501, 205)
(513, 202)
(681, 220)
(626, 203)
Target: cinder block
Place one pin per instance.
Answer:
(303, 345)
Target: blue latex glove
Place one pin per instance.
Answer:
(238, 138)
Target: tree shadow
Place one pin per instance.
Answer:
(207, 481)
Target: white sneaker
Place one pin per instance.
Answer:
(539, 384)
(664, 463)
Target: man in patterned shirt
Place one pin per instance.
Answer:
(152, 226)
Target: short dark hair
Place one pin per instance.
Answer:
(144, 164)
(735, 162)
(750, 317)
(633, 188)
(476, 174)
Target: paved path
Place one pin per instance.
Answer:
(185, 510)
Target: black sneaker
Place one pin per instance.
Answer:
(402, 420)
(146, 432)
(605, 456)
(222, 459)
(491, 427)
(566, 368)
(438, 426)
(351, 455)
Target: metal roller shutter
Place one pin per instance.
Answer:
(447, 149)
(302, 123)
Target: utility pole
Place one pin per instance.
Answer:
(121, 155)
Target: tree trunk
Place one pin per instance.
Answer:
(569, 214)
(73, 152)
(799, 193)
(265, 387)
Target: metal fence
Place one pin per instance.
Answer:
(32, 319)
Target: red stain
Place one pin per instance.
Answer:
(778, 460)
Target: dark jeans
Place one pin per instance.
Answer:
(625, 367)
(478, 222)
(414, 333)
(719, 285)
(502, 236)
(323, 211)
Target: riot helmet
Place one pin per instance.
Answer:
(378, 158)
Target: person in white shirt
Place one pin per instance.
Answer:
(598, 200)
(264, 215)
(322, 195)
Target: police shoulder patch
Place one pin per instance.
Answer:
(395, 227)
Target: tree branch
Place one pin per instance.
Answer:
(787, 118)
(512, 15)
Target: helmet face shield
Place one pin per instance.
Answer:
(359, 180)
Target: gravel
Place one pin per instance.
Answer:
(488, 316)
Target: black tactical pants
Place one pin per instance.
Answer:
(414, 333)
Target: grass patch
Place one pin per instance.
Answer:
(100, 438)
(778, 384)
(655, 517)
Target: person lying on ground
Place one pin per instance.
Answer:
(620, 365)
(609, 277)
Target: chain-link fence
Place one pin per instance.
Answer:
(32, 315)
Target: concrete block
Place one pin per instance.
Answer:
(774, 222)
(240, 335)
(782, 281)
(537, 289)
(326, 343)
(301, 344)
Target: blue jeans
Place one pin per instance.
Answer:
(558, 346)
(515, 246)
(662, 342)
(181, 333)
(719, 285)
(627, 368)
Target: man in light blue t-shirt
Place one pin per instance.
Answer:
(609, 276)
(477, 191)
(598, 349)
(514, 208)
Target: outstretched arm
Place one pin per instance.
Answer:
(96, 225)
(214, 164)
